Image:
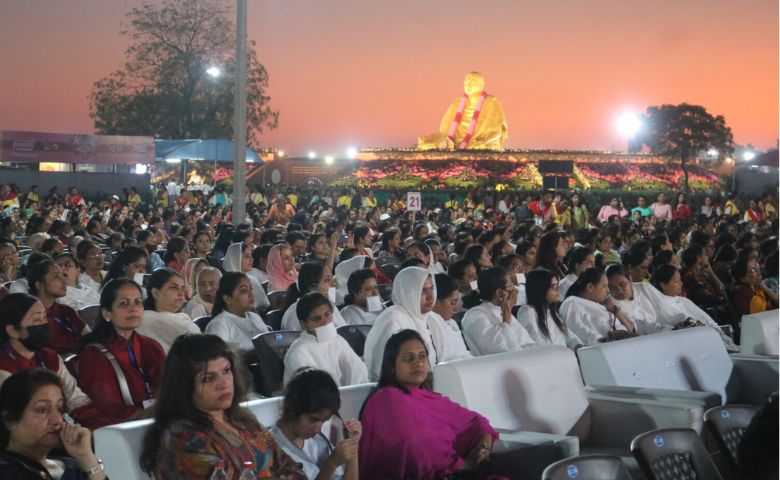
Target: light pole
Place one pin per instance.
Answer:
(239, 121)
(628, 124)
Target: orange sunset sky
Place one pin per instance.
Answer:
(378, 73)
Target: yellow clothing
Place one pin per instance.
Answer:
(452, 204)
(490, 132)
(344, 201)
(134, 199)
(734, 209)
(293, 198)
(369, 202)
(758, 303)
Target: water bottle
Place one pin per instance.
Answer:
(248, 473)
(219, 472)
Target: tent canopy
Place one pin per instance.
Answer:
(214, 150)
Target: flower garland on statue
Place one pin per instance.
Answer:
(459, 115)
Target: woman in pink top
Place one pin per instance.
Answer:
(614, 208)
(281, 268)
(661, 209)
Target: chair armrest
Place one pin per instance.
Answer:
(615, 421)
(758, 377)
(708, 399)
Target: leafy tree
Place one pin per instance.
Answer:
(682, 131)
(163, 89)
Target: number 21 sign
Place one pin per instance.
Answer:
(413, 203)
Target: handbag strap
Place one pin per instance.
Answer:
(120, 375)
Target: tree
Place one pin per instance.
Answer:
(682, 131)
(163, 89)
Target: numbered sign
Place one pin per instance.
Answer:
(413, 203)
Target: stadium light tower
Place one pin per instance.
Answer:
(628, 125)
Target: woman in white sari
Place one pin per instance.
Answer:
(588, 310)
(239, 259)
(363, 303)
(578, 260)
(414, 294)
(343, 271)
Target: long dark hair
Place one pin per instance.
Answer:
(157, 279)
(127, 256)
(103, 328)
(310, 391)
(14, 307)
(309, 275)
(388, 235)
(473, 253)
(37, 273)
(589, 276)
(537, 283)
(188, 357)
(387, 376)
(576, 256)
(662, 274)
(175, 245)
(227, 285)
(545, 253)
(355, 283)
(16, 393)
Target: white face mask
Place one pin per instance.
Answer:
(139, 279)
(473, 285)
(520, 278)
(374, 303)
(325, 333)
(332, 294)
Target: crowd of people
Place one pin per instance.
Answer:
(467, 277)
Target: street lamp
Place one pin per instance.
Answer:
(352, 153)
(214, 72)
(748, 156)
(312, 155)
(628, 124)
(329, 160)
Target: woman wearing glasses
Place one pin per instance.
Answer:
(91, 258)
(540, 317)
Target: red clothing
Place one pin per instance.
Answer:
(12, 362)
(97, 379)
(747, 301)
(540, 209)
(66, 327)
(74, 200)
(682, 211)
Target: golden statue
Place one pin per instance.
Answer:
(474, 121)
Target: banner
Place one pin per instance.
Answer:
(38, 147)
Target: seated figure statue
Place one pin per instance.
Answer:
(474, 121)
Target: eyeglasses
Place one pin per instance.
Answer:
(555, 286)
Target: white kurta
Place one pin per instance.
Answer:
(566, 283)
(587, 319)
(290, 318)
(195, 308)
(74, 397)
(86, 281)
(260, 275)
(487, 333)
(642, 312)
(237, 332)
(357, 315)
(334, 356)
(78, 298)
(232, 263)
(314, 453)
(528, 319)
(344, 269)
(447, 338)
(165, 327)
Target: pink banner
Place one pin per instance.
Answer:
(36, 147)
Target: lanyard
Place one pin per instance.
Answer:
(61, 323)
(134, 362)
(35, 360)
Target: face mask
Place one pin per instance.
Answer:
(332, 294)
(139, 278)
(520, 278)
(37, 337)
(374, 303)
(473, 285)
(325, 333)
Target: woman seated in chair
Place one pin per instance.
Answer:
(411, 432)
(321, 346)
(131, 263)
(578, 259)
(119, 369)
(314, 277)
(445, 332)
(342, 272)
(239, 259)
(32, 405)
(310, 399)
(590, 313)
(198, 420)
(234, 321)
(76, 296)
(190, 274)
(205, 293)
(750, 294)
(24, 334)
(414, 294)
(540, 317)
(162, 319)
(281, 268)
(363, 303)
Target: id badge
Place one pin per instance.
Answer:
(148, 403)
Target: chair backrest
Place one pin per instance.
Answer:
(276, 299)
(385, 291)
(265, 286)
(537, 390)
(273, 318)
(390, 269)
(89, 314)
(760, 333)
(587, 467)
(728, 424)
(271, 348)
(673, 453)
(72, 364)
(688, 359)
(458, 317)
(355, 335)
(201, 322)
(119, 446)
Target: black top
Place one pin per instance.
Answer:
(17, 467)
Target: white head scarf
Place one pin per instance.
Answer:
(232, 260)
(345, 269)
(407, 290)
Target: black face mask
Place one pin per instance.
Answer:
(37, 337)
